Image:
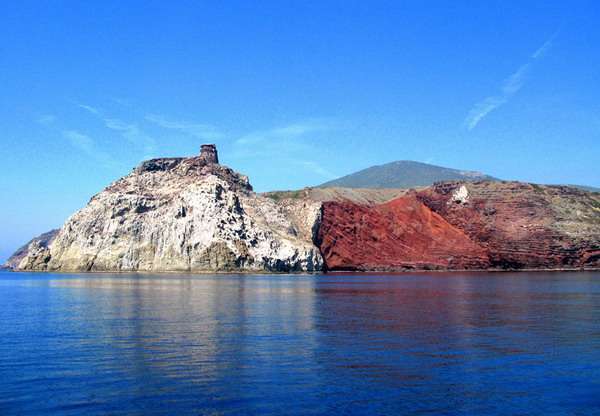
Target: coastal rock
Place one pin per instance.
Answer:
(182, 214)
(464, 225)
(522, 225)
(40, 242)
(402, 234)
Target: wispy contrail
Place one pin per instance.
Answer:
(510, 86)
(199, 130)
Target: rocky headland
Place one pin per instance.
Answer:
(182, 214)
(195, 215)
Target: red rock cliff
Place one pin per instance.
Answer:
(400, 234)
(458, 225)
(523, 225)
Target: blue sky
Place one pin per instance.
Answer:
(294, 93)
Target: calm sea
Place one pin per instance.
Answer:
(435, 344)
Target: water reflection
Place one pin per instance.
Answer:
(354, 344)
(464, 343)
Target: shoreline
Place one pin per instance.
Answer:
(305, 273)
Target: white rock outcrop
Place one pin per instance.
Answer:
(183, 214)
(460, 196)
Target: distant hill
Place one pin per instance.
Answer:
(404, 174)
(586, 188)
(43, 240)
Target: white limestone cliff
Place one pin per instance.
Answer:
(183, 214)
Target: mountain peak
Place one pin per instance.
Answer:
(404, 174)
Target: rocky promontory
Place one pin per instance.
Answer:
(182, 214)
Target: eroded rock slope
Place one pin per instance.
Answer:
(400, 234)
(523, 225)
(459, 225)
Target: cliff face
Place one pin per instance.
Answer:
(400, 234)
(182, 214)
(457, 225)
(523, 225)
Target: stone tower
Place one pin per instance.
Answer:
(208, 153)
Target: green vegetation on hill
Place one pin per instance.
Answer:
(404, 174)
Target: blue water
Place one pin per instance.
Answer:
(476, 343)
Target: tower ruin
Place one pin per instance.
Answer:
(208, 153)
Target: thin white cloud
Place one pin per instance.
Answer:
(318, 169)
(541, 51)
(132, 133)
(288, 145)
(286, 132)
(199, 130)
(89, 109)
(299, 129)
(129, 131)
(87, 145)
(81, 141)
(482, 109)
(123, 102)
(515, 82)
(46, 119)
(510, 86)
